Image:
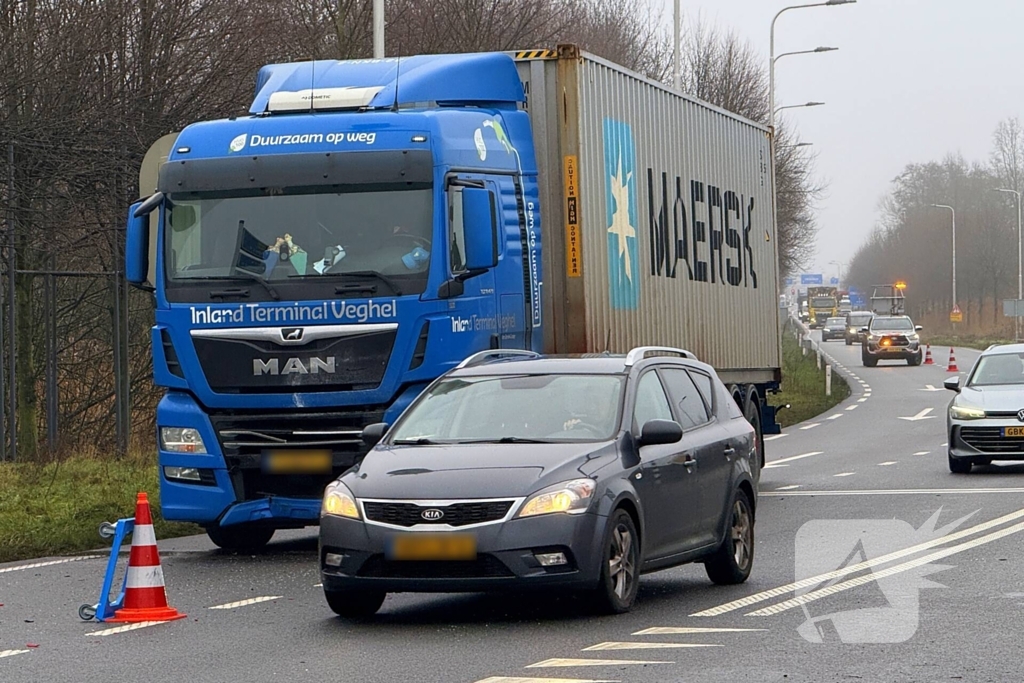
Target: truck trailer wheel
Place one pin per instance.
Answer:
(242, 537)
(752, 411)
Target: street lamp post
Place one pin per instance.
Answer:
(796, 106)
(771, 49)
(953, 212)
(840, 265)
(677, 68)
(378, 29)
(1020, 271)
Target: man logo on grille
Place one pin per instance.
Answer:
(1020, 414)
(291, 334)
(432, 515)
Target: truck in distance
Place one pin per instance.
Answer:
(824, 304)
(371, 223)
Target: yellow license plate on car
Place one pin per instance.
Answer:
(297, 462)
(1013, 431)
(432, 547)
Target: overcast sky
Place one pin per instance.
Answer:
(911, 81)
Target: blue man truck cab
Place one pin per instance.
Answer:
(371, 223)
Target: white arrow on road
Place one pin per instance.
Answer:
(923, 415)
(929, 387)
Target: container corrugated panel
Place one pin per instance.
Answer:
(675, 220)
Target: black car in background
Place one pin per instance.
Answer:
(834, 328)
(516, 470)
(855, 322)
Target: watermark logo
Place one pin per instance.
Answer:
(827, 550)
(238, 144)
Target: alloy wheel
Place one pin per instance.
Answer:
(622, 563)
(742, 534)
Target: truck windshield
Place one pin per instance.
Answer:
(514, 408)
(295, 235)
(823, 302)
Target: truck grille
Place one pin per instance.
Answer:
(990, 440)
(456, 514)
(244, 439)
(483, 567)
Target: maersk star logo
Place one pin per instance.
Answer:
(621, 215)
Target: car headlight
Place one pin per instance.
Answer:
(339, 502)
(182, 440)
(572, 497)
(966, 413)
(873, 337)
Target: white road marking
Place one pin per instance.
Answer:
(923, 415)
(569, 661)
(836, 416)
(853, 407)
(774, 436)
(250, 601)
(318, 585)
(776, 463)
(896, 492)
(11, 653)
(874, 576)
(853, 569)
(861, 400)
(844, 474)
(686, 630)
(810, 426)
(788, 488)
(922, 453)
(126, 627)
(943, 445)
(527, 679)
(49, 563)
(887, 463)
(644, 646)
(929, 387)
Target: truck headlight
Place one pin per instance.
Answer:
(966, 413)
(182, 440)
(339, 502)
(572, 497)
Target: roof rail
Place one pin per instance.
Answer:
(482, 357)
(639, 353)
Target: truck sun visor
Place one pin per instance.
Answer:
(297, 170)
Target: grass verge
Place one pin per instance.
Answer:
(56, 508)
(803, 384)
(969, 341)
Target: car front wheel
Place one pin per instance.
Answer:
(620, 565)
(732, 561)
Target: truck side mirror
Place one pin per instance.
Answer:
(136, 248)
(480, 214)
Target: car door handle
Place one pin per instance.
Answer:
(689, 460)
(730, 451)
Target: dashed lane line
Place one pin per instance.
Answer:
(810, 426)
(644, 646)
(774, 436)
(844, 474)
(570, 661)
(854, 568)
(11, 653)
(48, 563)
(788, 488)
(777, 463)
(887, 463)
(527, 679)
(126, 627)
(922, 453)
(687, 630)
(894, 492)
(861, 400)
(835, 417)
(874, 576)
(250, 601)
(853, 407)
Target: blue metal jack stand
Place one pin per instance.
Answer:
(105, 608)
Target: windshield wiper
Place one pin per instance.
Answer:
(256, 278)
(508, 439)
(419, 441)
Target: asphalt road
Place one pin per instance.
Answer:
(926, 584)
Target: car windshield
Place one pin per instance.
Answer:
(1001, 368)
(823, 302)
(835, 322)
(550, 408)
(895, 324)
(290, 234)
(859, 320)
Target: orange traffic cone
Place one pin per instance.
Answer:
(952, 362)
(144, 599)
(928, 355)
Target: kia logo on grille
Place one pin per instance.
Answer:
(291, 333)
(1020, 414)
(433, 514)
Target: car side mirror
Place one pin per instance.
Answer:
(863, 329)
(953, 384)
(918, 328)
(657, 432)
(372, 434)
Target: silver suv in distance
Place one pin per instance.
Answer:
(985, 421)
(891, 338)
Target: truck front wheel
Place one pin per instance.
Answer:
(243, 537)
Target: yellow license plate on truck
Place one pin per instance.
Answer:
(1013, 431)
(297, 462)
(432, 547)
